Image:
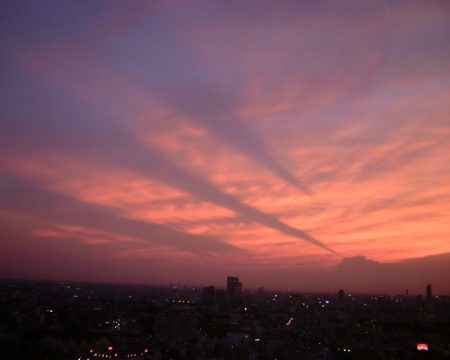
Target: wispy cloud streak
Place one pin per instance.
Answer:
(152, 163)
(24, 197)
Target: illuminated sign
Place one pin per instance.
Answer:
(422, 346)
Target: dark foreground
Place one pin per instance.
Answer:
(49, 320)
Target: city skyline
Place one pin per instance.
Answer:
(299, 145)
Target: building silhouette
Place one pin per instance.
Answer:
(176, 326)
(341, 295)
(208, 295)
(429, 292)
(234, 287)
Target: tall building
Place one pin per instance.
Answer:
(341, 295)
(234, 287)
(429, 292)
(208, 295)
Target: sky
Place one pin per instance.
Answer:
(290, 143)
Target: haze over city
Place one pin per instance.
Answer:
(299, 145)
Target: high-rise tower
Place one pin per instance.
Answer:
(234, 287)
(429, 292)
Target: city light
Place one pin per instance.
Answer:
(422, 346)
(289, 321)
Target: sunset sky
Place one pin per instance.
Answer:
(184, 141)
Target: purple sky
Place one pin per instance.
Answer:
(291, 143)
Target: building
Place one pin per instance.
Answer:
(208, 295)
(234, 287)
(341, 295)
(181, 326)
(429, 292)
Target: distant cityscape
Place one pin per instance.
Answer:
(85, 321)
(225, 180)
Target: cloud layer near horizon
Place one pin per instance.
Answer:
(265, 137)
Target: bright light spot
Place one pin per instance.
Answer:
(422, 346)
